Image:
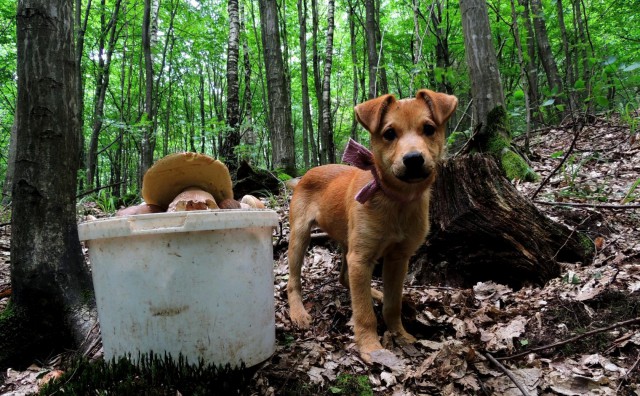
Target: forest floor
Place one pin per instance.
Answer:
(579, 334)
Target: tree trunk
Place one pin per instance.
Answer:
(486, 86)
(51, 305)
(148, 134)
(249, 136)
(544, 48)
(81, 26)
(232, 136)
(569, 77)
(492, 133)
(328, 145)
(524, 78)
(307, 125)
(383, 85)
(317, 83)
(532, 70)
(483, 229)
(282, 142)
(372, 51)
(102, 84)
(354, 60)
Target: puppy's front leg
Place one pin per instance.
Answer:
(394, 271)
(365, 323)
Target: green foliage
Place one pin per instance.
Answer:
(152, 375)
(350, 384)
(106, 202)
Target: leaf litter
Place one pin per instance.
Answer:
(458, 328)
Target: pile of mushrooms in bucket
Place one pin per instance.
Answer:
(185, 182)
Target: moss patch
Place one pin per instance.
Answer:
(515, 167)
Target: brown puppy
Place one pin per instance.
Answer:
(407, 140)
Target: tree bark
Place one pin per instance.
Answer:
(569, 77)
(317, 82)
(148, 134)
(102, 84)
(532, 70)
(328, 145)
(354, 60)
(483, 229)
(544, 48)
(307, 127)
(486, 86)
(524, 77)
(232, 136)
(51, 283)
(372, 51)
(282, 142)
(81, 28)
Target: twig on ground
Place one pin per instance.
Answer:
(468, 142)
(626, 376)
(590, 205)
(578, 129)
(572, 339)
(508, 373)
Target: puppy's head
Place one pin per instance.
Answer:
(408, 135)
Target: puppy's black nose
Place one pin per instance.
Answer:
(413, 160)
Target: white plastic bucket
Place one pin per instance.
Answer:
(194, 283)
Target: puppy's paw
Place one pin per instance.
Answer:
(403, 338)
(300, 318)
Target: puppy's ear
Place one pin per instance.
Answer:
(441, 105)
(370, 113)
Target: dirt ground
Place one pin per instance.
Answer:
(577, 335)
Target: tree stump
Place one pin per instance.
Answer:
(254, 181)
(483, 229)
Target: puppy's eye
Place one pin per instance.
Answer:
(389, 134)
(428, 129)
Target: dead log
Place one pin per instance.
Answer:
(483, 229)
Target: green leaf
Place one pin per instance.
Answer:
(548, 102)
(557, 154)
(518, 95)
(579, 84)
(602, 101)
(631, 67)
(335, 390)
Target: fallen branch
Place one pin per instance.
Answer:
(589, 205)
(508, 373)
(572, 339)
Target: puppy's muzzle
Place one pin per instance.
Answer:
(415, 169)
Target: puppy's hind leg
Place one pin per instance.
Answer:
(298, 244)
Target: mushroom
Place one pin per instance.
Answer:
(187, 181)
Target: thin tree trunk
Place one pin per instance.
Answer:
(249, 135)
(327, 127)
(523, 73)
(317, 82)
(232, 136)
(383, 85)
(532, 70)
(282, 142)
(49, 278)
(569, 78)
(544, 48)
(104, 73)
(354, 61)
(203, 137)
(148, 134)
(81, 28)
(372, 51)
(304, 80)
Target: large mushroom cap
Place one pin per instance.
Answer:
(174, 173)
